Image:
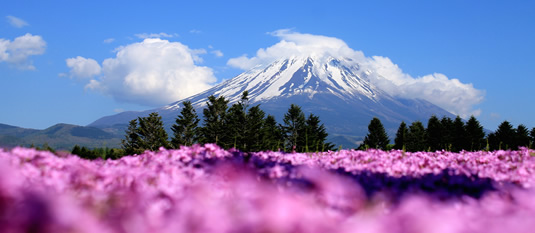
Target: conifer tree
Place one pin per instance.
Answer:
(492, 141)
(521, 137)
(294, 129)
(447, 133)
(254, 124)
(459, 135)
(316, 135)
(434, 134)
(213, 130)
(401, 136)
(186, 129)
(272, 135)
(76, 150)
(505, 135)
(532, 138)
(416, 137)
(131, 143)
(235, 122)
(376, 137)
(475, 135)
(152, 133)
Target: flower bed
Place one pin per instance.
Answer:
(207, 189)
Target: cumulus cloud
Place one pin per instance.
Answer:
(450, 94)
(83, 67)
(18, 51)
(16, 22)
(155, 35)
(153, 72)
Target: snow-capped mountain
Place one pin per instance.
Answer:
(337, 90)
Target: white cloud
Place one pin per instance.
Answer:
(16, 22)
(83, 67)
(155, 35)
(217, 53)
(109, 40)
(153, 72)
(18, 51)
(296, 44)
(194, 31)
(450, 94)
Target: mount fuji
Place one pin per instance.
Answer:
(336, 89)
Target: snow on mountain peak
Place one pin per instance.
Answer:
(300, 75)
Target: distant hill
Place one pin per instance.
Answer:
(61, 136)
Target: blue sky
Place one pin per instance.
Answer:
(61, 61)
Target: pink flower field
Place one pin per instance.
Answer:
(208, 189)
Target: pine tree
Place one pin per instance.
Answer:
(294, 129)
(532, 138)
(235, 123)
(272, 134)
(521, 137)
(76, 150)
(186, 129)
(213, 130)
(316, 135)
(152, 132)
(475, 135)
(131, 143)
(254, 123)
(376, 137)
(505, 135)
(416, 137)
(434, 134)
(492, 141)
(447, 133)
(401, 136)
(459, 141)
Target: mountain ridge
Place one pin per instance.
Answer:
(337, 90)
(59, 136)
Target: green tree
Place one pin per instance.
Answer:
(76, 150)
(447, 133)
(475, 135)
(401, 136)
(505, 135)
(294, 129)
(272, 134)
(416, 137)
(459, 139)
(434, 134)
(213, 129)
(132, 142)
(235, 122)
(532, 137)
(376, 137)
(186, 129)
(152, 132)
(254, 124)
(316, 135)
(521, 137)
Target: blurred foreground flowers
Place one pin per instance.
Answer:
(208, 189)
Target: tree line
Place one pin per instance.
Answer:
(447, 134)
(239, 126)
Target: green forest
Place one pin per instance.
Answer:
(248, 128)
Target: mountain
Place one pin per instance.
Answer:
(59, 137)
(336, 89)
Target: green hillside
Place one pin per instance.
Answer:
(59, 137)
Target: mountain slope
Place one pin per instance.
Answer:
(59, 136)
(337, 90)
